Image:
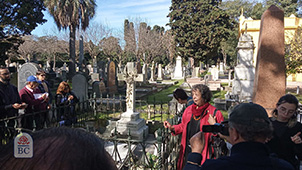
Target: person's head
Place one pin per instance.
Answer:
(32, 82)
(4, 75)
(41, 75)
(180, 95)
(60, 148)
(249, 122)
(63, 88)
(201, 94)
(286, 109)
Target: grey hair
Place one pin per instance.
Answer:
(206, 94)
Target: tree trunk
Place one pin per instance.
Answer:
(72, 51)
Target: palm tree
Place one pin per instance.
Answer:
(71, 14)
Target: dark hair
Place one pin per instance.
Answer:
(60, 148)
(40, 71)
(288, 98)
(206, 94)
(180, 94)
(3, 67)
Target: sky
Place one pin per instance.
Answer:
(112, 13)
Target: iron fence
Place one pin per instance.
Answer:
(138, 157)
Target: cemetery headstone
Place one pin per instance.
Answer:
(130, 120)
(178, 72)
(152, 79)
(160, 72)
(111, 78)
(270, 80)
(221, 68)
(243, 82)
(214, 73)
(26, 70)
(80, 86)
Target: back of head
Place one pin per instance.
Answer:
(180, 94)
(60, 148)
(251, 122)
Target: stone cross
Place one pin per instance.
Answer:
(130, 120)
(130, 76)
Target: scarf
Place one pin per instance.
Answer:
(199, 110)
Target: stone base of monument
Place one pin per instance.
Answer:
(131, 122)
(244, 89)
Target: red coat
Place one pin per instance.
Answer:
(34, 105)
(182, 128)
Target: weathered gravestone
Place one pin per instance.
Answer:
(178, 73)
(26, 70)
(130, 120)
(111, 78)
(243, 82)
(80, 86)
(214, 72)
(160, 72)
(270, 80)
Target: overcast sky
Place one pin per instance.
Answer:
(113, 13)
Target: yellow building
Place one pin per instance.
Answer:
(252, 27)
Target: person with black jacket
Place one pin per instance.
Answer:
(249, 129)
(10, 103)
(65, 102)
(286, 141)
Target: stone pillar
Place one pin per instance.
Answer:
(243, 82)
(178, 74)
(270, 79)
(160, 72)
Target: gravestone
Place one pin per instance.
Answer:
(152, 79)
(145, 71)
(64, 72)
(195, 72)
(130, 120)
(270, 79)
(80, 86)
(160, 72)
(178, 73)
(111, 78)
(102, 68)
(221, 68)
(243, 82)
(98, 88)
(26, 70)
(215, 73)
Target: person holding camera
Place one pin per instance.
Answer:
(193, 118)
(249, 128)
(286, 141)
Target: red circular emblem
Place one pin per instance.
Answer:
(23, 140)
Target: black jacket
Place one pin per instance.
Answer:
(283, 146)
(8, 96)
(244, 156)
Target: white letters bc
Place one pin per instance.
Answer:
(23, 146)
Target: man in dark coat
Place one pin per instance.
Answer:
(249, 128)
(10, 102)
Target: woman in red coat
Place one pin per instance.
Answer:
(195, 116)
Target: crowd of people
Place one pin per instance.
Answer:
(256, 140)
(34, 100)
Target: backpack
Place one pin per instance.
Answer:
(217, 146)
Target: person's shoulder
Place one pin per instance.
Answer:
(220, 163)
(281, 164)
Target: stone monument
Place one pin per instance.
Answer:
(26, 70)
(160, 72)
(243, 82)
(270, 79)
(130, 120)
(178, 72)
(80, 86)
